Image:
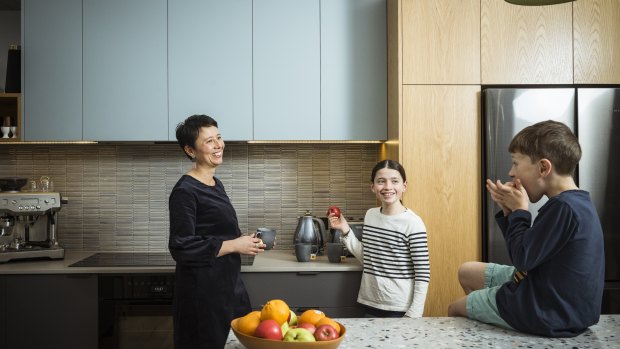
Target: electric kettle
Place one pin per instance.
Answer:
(310, 230)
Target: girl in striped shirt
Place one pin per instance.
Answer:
(394, 251)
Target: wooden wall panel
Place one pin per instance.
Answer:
(597, 41)
(526, 44)
(441, 153)
(441, 41)
(391, 149)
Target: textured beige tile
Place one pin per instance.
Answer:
(118, 194)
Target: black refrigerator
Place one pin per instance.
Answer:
(593, 113)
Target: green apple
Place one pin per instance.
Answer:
(298, 335)
(292, 319)
(285, 327)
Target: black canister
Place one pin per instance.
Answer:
(13, 70)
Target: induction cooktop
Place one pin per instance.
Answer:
(136, 259)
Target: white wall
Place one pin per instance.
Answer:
(10, 33)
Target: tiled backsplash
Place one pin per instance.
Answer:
(118, 194)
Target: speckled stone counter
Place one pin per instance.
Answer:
(446, 332)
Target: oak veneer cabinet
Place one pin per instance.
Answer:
(441, 42)
(596, 27)
(526, 44)
(441, 152)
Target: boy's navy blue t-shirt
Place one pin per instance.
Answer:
(563, 256)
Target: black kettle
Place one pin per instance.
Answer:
(310, 230)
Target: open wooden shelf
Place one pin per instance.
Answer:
(11, 105)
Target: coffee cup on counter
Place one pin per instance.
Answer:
(303, 252)
(335, 252)
(267, 235)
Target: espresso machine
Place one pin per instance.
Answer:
(28, 222)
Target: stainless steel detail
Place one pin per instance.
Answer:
(6, 226)
(506, 112)
(310, 230)
(33, 233)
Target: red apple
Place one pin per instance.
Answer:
(308, 326)
(325, 333)
(335, 210)
(269, 329)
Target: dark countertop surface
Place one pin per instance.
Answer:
(268, 261)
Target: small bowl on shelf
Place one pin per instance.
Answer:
(252, 342)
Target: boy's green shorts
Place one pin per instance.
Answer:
(481, 304)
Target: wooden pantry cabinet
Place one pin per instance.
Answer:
(441, 150)
(526, 44)
(596, 37)
(441, 42)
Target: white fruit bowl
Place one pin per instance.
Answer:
(251, 342)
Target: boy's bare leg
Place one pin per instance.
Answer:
(471, 276)
(458, 307)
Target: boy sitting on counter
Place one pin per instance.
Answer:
(555, 287)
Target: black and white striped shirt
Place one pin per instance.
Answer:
(396, 264)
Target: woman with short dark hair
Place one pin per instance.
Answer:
(206, 243)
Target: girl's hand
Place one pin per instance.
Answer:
(339, 223)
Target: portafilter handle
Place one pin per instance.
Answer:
(52, 222)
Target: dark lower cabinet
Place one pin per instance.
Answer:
(48, 311)
(2, 312)
(334, 293)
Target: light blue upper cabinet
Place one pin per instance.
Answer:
(52, 56)
(287, 70)
(210, 64)
(125, 70)
(353, 70)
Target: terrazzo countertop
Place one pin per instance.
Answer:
(448, 332)
(267, 261)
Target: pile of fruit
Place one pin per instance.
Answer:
(277, 322)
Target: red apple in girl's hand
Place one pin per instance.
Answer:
(335, 210)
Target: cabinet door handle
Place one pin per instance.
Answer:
(311, 273)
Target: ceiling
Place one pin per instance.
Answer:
(10, 5)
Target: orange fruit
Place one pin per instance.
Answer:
(327, 321)
(248, 323)
(311, 316)
(275, 309)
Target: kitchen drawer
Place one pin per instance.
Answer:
(333, 292)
